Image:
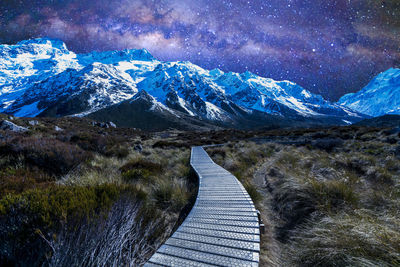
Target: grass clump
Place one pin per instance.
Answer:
(171, 195)
(253, 192)
(329, 203)
(354, 238)
(332, 194)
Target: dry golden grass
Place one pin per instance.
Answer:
(326, 207)
(156, 180)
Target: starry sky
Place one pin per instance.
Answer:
(330, 47)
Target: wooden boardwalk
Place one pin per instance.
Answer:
(222, 229)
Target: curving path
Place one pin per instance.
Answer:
(222, 229)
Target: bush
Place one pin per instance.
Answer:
(23, 217)
(17, 180)
(103, 144)
(170, 144)
(51, 155)
(136, 174)
(117, 151)
(142, 164)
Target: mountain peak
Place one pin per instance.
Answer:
(111, 57)
(381, 96)
(142, 94)
(247, 75)
(55, 43)
(216, 72)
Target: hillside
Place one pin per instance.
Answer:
(389, 121)
(381, 96)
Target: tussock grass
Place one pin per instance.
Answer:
(331, 203)
(353, 238)
(53, 184)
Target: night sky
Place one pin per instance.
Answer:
(330, 47)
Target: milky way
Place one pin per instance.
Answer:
(328, 46)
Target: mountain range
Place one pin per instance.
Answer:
(41, 77)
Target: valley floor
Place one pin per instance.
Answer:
(89, 194)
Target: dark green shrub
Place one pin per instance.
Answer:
(51, 155)
(117, 151)
(136, 174)
(142, 164)
(23, 217)
(103, 144)
(170, 144)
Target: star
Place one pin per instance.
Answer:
(288, 40)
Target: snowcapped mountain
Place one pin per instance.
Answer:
(41, 77)
(381, 96)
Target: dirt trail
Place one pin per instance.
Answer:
(270, 247)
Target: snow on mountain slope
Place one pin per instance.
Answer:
(42, 77)
(96, 86)
(187, 88)
(28, 62)
(381, 96)
(273, 97)
(112, 57)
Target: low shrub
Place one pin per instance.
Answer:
(136, 174)
(103, 144)
(170, 144)
(24, 216)
(51, 155)
(17, 180)
(141, 163)
(117, 151)
(327, 144)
